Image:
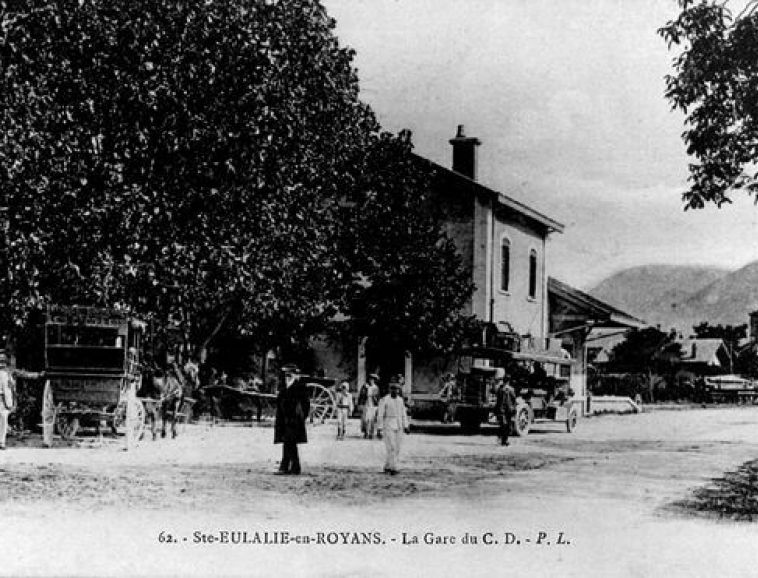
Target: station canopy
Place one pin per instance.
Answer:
(573, 310)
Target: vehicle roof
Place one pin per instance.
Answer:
(495, 352)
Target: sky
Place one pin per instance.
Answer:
(567, 99)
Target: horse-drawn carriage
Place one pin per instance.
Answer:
(92, 371)
(228, 402)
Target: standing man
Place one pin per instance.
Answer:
(292, 407)
(6, 397)
(8, 393)
(392, 423)
(370, 402)
(505, 406)
(344, 409)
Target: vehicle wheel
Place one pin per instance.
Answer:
(571, 421)
(67, 426)
(135, 421)
(522, 421)
(323, 404)
(48, 415)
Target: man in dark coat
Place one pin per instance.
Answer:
(292, 407)
(505, 406)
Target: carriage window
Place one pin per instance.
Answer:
(505, 264)
(84, 336)
(532, 273)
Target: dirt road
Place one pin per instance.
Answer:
(593, 503)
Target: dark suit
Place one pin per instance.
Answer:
(292, 407)
(505, 407)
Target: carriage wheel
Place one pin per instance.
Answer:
(323, 404)
(119, 417)
(48, 415)
(67, 426)
(135, 421)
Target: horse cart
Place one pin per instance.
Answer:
(228, 402)
(92, 371)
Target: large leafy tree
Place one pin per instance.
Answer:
(715, 83)
(647, 352)
(409, 285)
(178, 158)
(188, 160)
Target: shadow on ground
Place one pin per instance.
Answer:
(733, 496)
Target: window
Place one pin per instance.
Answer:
(505, 264)
(532, 274)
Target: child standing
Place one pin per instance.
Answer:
(344, 409)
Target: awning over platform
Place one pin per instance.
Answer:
(572, 310)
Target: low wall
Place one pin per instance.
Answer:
(613, 404)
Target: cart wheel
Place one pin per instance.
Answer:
(119, 418)
(48, 415)
(571, 421)
(67, 426)
(523, 421)
(323, 404)
(135, 421)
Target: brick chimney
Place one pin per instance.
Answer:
(464, 153)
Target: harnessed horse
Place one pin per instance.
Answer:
(166, 390)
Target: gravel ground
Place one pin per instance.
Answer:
(616, 489)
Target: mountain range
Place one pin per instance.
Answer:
(683, 296)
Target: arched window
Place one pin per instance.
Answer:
(532, 273)
(505, 264)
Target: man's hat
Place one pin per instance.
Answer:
(499, 373)
(395, 383)
(290, 368)
(373, 376)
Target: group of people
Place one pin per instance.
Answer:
(386, 417)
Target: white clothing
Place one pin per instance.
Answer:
(391, 414)
(3, 426)
(392, 441)
(392, 421)
(6, 390)
(344, 409)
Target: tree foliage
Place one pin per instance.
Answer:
(409, 284)
(185, 160)
(730, 334)
(715, 83)
(645, 350)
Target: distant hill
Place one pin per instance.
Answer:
(673, 295)
(727, 300)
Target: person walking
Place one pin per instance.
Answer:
(344, 409)
(292, 408)
(505, 406)
(392, 423)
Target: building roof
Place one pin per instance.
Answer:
(701, 350)
(504, 200)
(593, 312)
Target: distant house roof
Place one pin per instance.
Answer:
(585, 310)
(704, 351)
(476, 187)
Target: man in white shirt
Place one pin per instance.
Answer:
(7, 393)
(6, 398)
(392, 423)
